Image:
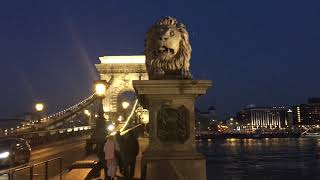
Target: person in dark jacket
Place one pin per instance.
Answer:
(119, 140)
(124, 153)
(133, 151)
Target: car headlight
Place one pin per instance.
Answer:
(4, 155)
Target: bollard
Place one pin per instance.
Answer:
(31, 172)
(46, 170)
(60, 168)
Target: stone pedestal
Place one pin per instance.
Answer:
(171, 154)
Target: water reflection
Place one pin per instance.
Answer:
(273, 158)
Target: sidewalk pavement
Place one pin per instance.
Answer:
(78, 173)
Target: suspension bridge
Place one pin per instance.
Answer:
(76, 123)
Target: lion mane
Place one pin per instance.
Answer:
(176, 67)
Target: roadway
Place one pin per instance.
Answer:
(69, 150)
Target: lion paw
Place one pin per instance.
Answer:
(159, 72)
(186, 74)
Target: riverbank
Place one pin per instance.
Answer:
(248, 135)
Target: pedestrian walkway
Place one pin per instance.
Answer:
(79, 173)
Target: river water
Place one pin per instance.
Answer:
(258, 159)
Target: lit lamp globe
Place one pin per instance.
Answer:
(111, 127)
(87, 112)
(39, 107)
(125, 104)
(120, 118)
(100, 88)
(145, 118)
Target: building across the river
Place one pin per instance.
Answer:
(252, 118)
(205, 120)
(307, 114)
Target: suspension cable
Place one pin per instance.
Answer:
(62, 112)
(129, 117)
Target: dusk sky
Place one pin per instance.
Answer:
(255, 52)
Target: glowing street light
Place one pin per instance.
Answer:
(111, 127)
(125, 104)
(100, 88)
(39, 107)
(100, 130)
(145, 118)
(120, 118)
(87, 112)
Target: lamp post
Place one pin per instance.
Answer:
(88, 113)
(99, 132)
(39, 108)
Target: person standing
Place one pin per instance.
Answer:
(124, 154)
(119, 141)
(133, 152)
(109, 149)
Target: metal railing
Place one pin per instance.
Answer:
(45, 132)
(44, 137)
(39, 171)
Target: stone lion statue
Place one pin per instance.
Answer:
(168, 50)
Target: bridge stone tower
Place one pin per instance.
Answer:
(121, 70)
(169, 96)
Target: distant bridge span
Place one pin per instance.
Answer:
(119, 72)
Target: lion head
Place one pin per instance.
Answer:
(168, 50)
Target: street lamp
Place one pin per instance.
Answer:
(87, 112)
(111, 127)
(145, 118)
(39, 107)
(120, 118)
(100, 88)
(125, 104)
(99, 132)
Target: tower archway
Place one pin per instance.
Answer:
(123, 70)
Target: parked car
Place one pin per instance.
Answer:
(14, 151)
